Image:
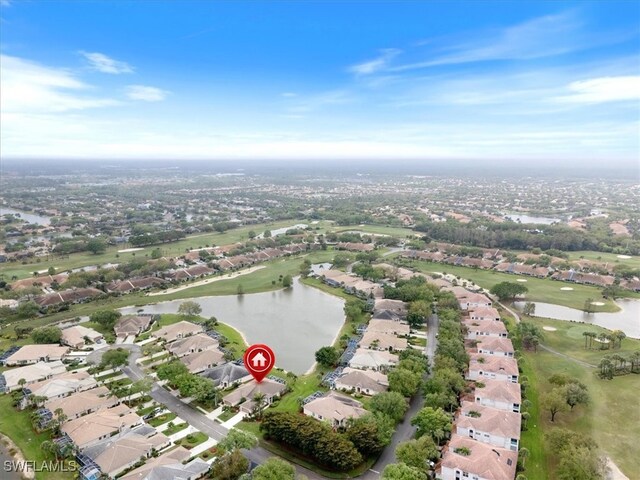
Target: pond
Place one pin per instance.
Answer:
(294, 322)
(528, 219)
(26, 216)
(627, 319)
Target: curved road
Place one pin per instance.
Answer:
(194, 417)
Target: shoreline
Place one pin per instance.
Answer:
(16, 455)
(206, 281)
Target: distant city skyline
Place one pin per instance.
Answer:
(499, 82)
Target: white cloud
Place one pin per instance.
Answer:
(102, 63)
(28, 87)
(604, 89)
(5, 3)
(540, 37)
(146, 94)
(377, 64)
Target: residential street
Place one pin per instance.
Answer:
(258, 455)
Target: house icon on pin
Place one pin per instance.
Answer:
(258, 360)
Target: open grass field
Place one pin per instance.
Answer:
(540, 289)
(605, 257)
(17, 426)
(612, 416)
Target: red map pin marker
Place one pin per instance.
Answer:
(259, 360)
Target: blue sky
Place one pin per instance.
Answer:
(502, 81)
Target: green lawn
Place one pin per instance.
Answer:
(612, 416)
(540, 290)
(192, 440)
(175, 429)
(605, 257)
(160, 419)
(17, 426)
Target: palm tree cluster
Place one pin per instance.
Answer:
(606, 341)
(616, 364)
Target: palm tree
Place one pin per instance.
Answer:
(602, 337)
(619, 335)
(49, 447)
(635, 360)
(260, 400)
(523, 453)
(526, 404)
(525, 419)
(521, 477)
(586, 337)
(606, 366)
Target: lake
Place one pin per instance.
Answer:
(294, 322)
(26, 216)
(528, 219)
(627, 319)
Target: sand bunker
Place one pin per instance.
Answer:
(624, 257)
(521, 280)
(597, 304)
(126, 250)
(549, 329)
(566, 289)
(601, 341)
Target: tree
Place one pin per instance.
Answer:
(529, 309)
(231, 466)
(619, 336)
(523, 454)
(240, 289)
(237, 439)
(576, 393)
(49, 447)
(252, 234)
(190, 309)
(433, 422)
(96, 246)
(115, 358)
(274, 469)
(418, 453)
(267, 234)
(27, 309)
(327, 356)
(49, 334)
(106, 318)
(22, 331)
(370, 433)
(156, 254)
(555, 402)
(418, 313)
(404, 381)
(392, 404)
(580, 463)
(172, 370)
(508, 290)
(402, 471)
(588, 306)
(51, 270)
(260, 401)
